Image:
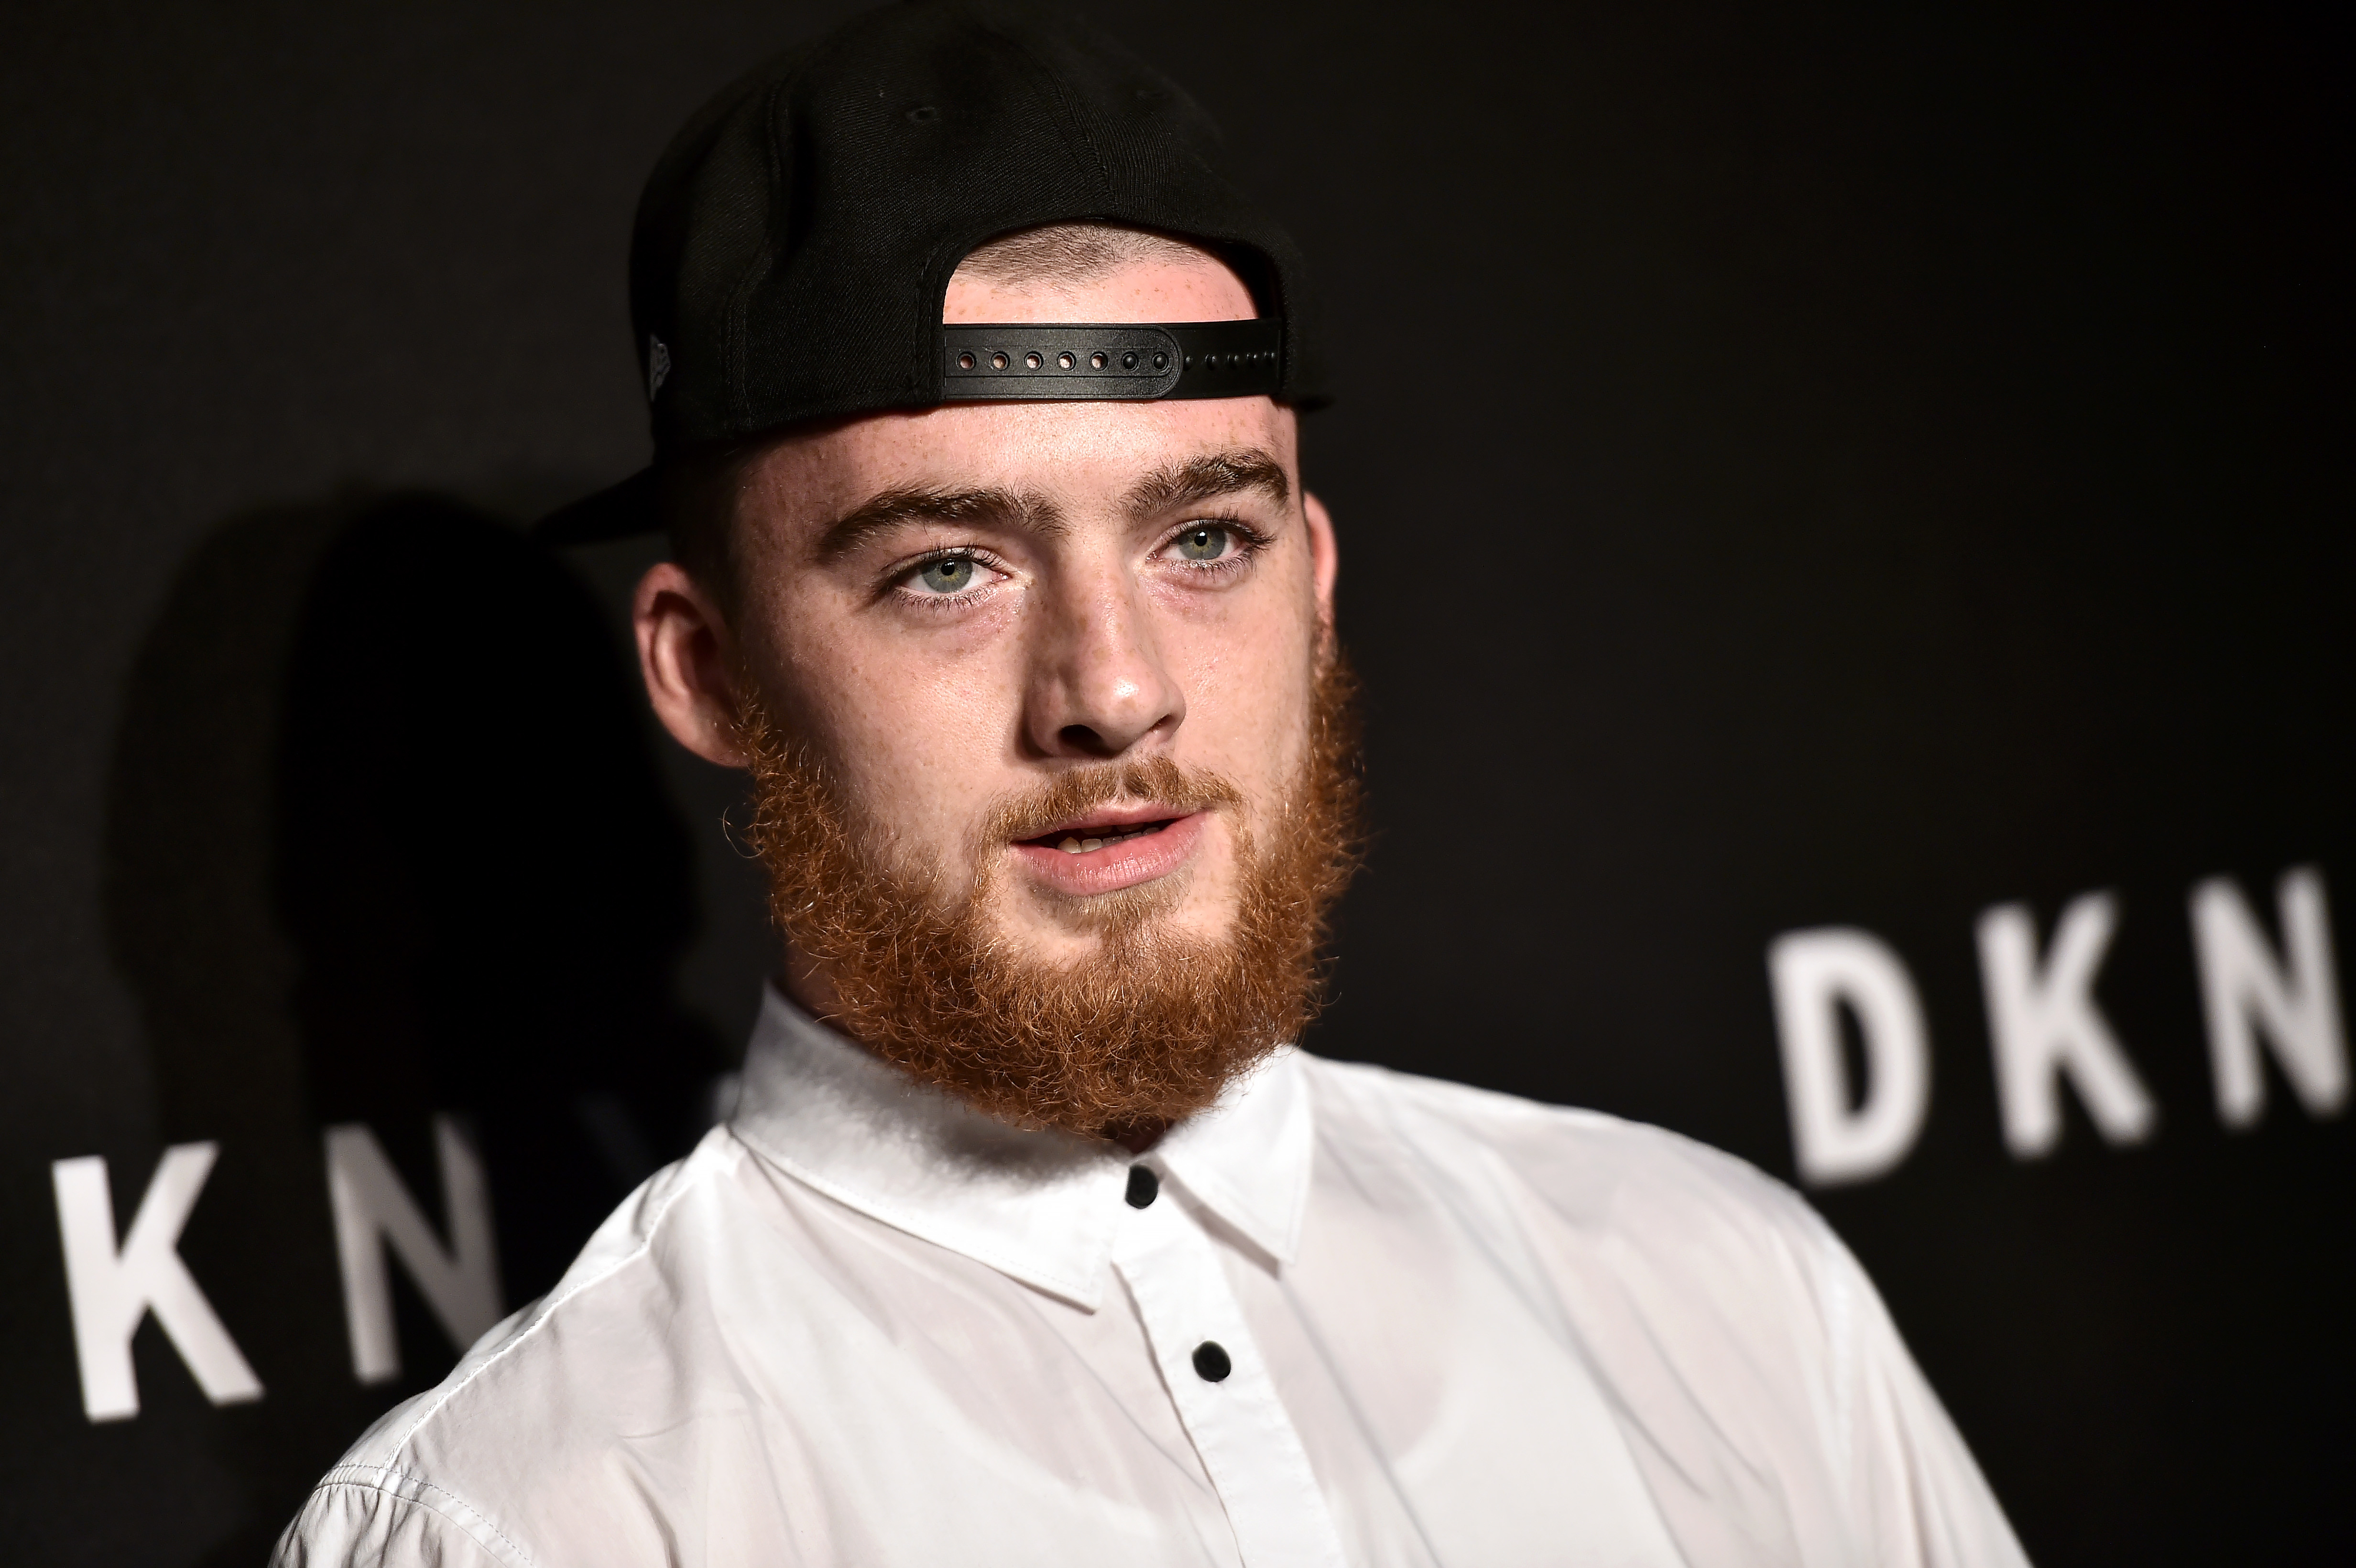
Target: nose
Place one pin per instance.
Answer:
(1099, 687)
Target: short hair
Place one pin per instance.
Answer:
(1064, 255)
(696, 494)
(697, 491)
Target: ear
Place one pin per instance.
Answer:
(687, 658)
(1324, 553)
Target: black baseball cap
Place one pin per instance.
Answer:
(795, 241)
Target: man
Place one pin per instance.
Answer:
(976, 393)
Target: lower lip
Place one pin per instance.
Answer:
(1116, 866)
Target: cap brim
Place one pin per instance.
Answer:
(618, 511)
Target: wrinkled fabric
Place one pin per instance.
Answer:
(863, 1324)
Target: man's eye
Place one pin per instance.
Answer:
(1203, 541)
(951, 574)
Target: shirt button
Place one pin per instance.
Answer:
(1143, 1186)
(1211, 1363)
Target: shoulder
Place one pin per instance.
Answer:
(1565, 1177)
(514, 1436)
(360, 1517)
(1583, 1154)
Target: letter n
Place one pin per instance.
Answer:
(1815, 975)
(2248, 993)
(112, 1288)
(374, 1211)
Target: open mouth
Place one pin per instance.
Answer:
(1112, 847)
(1086, 840)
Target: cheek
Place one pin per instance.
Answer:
(1249, 676)
(916, 732)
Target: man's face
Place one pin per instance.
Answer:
(946, 615)
(951, 608)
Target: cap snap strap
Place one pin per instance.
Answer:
(1055, 362)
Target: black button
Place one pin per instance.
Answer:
(1211, 1363)
(1144, 1186)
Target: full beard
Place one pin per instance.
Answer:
(1144, 1031)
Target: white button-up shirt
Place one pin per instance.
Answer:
(1359, 1318)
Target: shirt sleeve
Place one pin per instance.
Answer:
(389, 1522)
(1917, 1498)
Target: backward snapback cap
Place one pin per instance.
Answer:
(796, 241)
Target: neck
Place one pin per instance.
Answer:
(1140, 1137)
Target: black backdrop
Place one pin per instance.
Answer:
(1805, 466)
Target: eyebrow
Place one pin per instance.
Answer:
(1189, 483)
(891, 509)
(1208, 478)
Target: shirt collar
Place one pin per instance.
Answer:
(1039, 1207)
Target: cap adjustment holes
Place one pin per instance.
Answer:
(1177, 370)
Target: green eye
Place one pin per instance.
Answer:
(1203, 541)
(951, 574)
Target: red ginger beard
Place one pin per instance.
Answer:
(1145, 1031)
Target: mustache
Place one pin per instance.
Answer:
(1153, 781)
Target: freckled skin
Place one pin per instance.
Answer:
(1093, 640)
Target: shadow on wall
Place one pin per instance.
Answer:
(385, 842)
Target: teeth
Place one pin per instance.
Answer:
(1073, 844)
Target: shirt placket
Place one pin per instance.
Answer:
(1221, 1386)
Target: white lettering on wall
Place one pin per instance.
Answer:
(1817, 973)
(111, 1288)
(2248, 993)
(374, 1211)
(2045, 1027)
